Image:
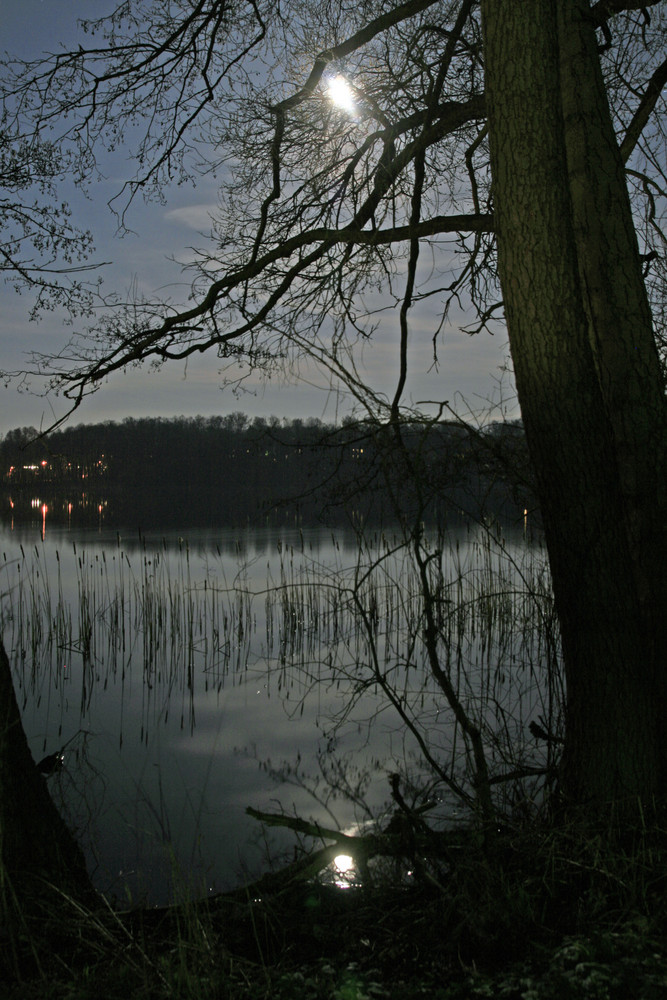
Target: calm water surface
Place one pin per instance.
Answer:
(178, 687)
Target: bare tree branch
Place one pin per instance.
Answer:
(644, 110)
(604, 9)
(352, 44)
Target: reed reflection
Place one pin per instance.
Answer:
(195, 660)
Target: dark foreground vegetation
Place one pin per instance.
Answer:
(230, 470)
(526, 913)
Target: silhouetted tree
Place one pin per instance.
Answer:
(469, 130)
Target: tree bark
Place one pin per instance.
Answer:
(589, 385)
(37, 850)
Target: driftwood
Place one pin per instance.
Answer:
(406, 836)
(359, 847)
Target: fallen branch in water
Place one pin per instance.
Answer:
(360, 847)
(406, 836)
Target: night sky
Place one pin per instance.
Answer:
(469, 368)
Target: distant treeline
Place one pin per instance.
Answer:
(230, 470)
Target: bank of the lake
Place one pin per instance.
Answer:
(530, 928)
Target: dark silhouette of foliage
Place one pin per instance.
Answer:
(189, 471)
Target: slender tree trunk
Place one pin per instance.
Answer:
(37, 851)
(589, 385)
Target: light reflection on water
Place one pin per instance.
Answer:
(184, 694)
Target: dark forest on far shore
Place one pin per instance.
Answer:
(229, 470)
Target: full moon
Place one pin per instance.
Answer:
(341, 94)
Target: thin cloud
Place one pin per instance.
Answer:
(196, 217)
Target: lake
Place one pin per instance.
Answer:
(188, 675)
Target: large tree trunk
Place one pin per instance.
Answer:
(589, 385)
(40, 862)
